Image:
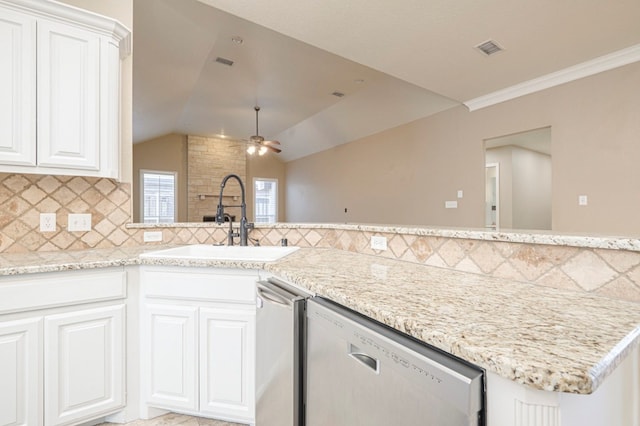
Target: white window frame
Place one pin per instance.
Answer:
(175, 192)
(255, 199)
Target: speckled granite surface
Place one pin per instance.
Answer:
(549, 339)
(508, 235)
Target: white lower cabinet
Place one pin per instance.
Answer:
(173, 374)
(21, 372)
(198, 355)
(61, 347)
(227, 348)
(83, 364)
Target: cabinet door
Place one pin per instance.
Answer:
(68, 97)
(83, 364)
(17, 89)
(20, 373)
(227, 363)
(171, 357)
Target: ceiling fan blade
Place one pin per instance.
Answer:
(271, 142)
(274, 149)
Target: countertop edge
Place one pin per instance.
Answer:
(513, 236)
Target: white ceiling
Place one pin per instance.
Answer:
(416, 58)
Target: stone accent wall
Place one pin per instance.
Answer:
(209, 161)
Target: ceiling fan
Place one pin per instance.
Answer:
(258, 144)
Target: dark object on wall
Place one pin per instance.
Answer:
(212, 218)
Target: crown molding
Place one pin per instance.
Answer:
(584, 69)
(95, 22)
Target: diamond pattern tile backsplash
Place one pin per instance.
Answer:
(24, 197)
(612, 273)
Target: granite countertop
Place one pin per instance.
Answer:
(548, 339)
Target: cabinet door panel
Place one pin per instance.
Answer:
(172, 362)
(20, 373)
(84, 364)
(68, 97)
(17, 89)
(227, 358)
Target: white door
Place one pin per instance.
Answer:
(171, 357)
(227, 363)
(68, 97)
(21, 373)
(83, 364)
(17, 88)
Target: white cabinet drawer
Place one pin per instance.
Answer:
(38, 291)
(193, 284)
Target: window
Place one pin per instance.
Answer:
(265, 196)
(158, 196)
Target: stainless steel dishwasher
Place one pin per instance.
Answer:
(360, 372)
(280, 319)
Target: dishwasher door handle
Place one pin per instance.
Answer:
(364, 359)
(266, 294)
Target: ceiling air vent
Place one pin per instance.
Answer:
(224, 61)
(338, 94)
(489, 47)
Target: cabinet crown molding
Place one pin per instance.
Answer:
(53, 10)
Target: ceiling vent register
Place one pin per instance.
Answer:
(489, 47)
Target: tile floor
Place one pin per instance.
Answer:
(172, 419)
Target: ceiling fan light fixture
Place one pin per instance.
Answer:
(251, 149)
(262, 150)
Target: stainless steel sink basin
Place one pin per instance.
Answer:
(211, 252)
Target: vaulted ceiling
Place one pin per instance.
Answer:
(395, 62)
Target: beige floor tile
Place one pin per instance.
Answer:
(173, 419)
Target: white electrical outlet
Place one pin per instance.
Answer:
(450, 204)
(378, 242)
(79, 222)
(47, 222)
(583, 200)
(460, 193)
(152, 236)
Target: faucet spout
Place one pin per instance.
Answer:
(245, 226)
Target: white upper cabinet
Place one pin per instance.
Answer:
(59, 89)
(17, 88)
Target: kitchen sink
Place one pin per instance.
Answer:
(211, 252)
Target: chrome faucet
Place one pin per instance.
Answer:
(245, 226)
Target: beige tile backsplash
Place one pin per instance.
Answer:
(612, 273)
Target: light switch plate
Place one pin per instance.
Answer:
(79, 222)
(583, 200)
(460, 193)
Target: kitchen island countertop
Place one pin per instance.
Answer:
(549, 339)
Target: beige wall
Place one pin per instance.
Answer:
(168, 154)
(268, 166)
(405, 175)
